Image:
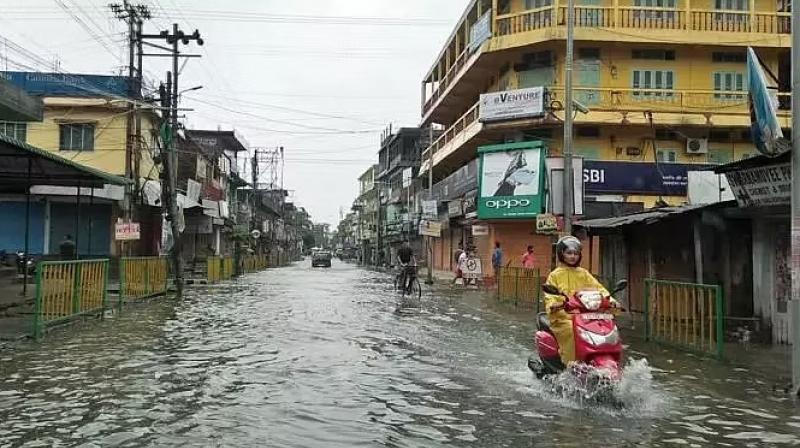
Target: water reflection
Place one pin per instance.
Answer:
(301, 357)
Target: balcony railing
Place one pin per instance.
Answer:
(450, 133)
(711, 102)
(624, 17)
(647, 18)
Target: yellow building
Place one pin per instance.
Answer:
(87, 119)
(662, 84)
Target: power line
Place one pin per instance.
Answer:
(289, 123)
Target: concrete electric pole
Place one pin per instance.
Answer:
(170, 115)
(568, 117)
(795, 205)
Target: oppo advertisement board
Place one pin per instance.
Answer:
(511, 183)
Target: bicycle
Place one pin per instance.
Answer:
(412, 287)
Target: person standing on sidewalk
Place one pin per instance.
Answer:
(528, 259)
(497, 257)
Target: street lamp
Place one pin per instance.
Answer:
(189, 90)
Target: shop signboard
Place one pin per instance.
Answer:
(481, 31)
(480, 230)
(546, 223)
(762, 186)
(455, 208)
(669, 179)
(511, 104)
(126, 231)
(430, 228)
(430, 209)
(471, 268)
(511, 181)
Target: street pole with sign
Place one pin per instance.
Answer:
(429, 250)
(795, 203)
(568, 116)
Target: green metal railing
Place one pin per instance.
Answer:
(66, 290)
(521, 285)
(142, 277)
(685, 315)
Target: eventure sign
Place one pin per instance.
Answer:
(511, 104)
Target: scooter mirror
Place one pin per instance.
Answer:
(621, 285)
(550, 289)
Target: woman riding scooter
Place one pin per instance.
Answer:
(569, 278)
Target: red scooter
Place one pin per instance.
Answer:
(598, 346)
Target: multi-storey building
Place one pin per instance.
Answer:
(367, 208)
(661, 86)
(398, 166)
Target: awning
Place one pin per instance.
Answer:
(647, 217)
(22, 164)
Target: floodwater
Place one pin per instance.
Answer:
(302, 357)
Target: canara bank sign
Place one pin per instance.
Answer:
(512, 104)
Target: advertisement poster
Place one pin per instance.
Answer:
(511, 104)
(511, 180)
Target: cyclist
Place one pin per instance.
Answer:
(407, 262)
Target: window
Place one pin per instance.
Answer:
(653, 80)
(588, 153)
(728, 56)
(666, 134)
(654, 15)
(729, 82)
(657, 55)
(719, 156)
(731, 5)
(76, 137)
(536, 4)
(667, 155)
(17, 131)
(588, 131)
(588, 53)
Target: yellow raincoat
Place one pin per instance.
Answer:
(569, 280)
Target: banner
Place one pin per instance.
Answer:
(480, 230)
(126, 231)
(481, 31)
(511, 180)
(511, 104)
(762, 186)
(764, 127)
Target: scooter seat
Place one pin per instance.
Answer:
(544, 322)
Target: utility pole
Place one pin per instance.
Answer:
(134, 16)
(429, 239)
(795, 225)
(568, 117)
(170, 116)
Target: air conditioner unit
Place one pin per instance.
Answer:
(697, 146)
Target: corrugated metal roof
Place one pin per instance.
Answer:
(49, 168)
(646, 217)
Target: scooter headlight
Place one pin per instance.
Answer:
(597, 340)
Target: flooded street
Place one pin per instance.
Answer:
(302, 357)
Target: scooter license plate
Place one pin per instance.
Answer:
(597, 316)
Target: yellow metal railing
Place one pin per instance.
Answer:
(687, 315)
(141, 277)
(520, 285)
(227, 268)
(67, 289)
(214, 269)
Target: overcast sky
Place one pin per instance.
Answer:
(322, 85)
